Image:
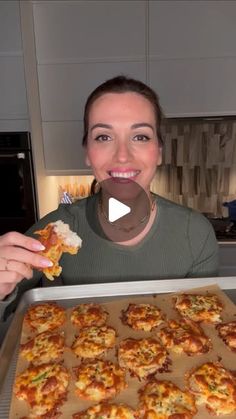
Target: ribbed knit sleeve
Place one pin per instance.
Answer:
(203, 246)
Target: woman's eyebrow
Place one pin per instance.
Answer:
(142, 124)
(100, 125)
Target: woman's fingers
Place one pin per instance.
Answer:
(3, 264)
(22, 269)
(14, 238)
(25, 256)
(6, 289)
(18, 254)
(11, 273)
(10, 278)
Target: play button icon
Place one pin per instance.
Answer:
(116, 209)
(120, 210)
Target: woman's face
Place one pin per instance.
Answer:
(122, 140)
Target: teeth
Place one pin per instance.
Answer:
(125, 175)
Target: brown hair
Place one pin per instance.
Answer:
(123, 84)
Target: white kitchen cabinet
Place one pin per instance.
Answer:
(192, 56)
(10, 30)
(13, 103)
(191, 29)
(96, 30)
(80, 44)
(64, 88)
(195, 87)
(63, 147)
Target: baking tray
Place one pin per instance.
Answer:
(74, 294)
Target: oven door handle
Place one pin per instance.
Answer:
(17, 155)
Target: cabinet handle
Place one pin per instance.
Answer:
(18, 155)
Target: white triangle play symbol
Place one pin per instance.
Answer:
(116, 209)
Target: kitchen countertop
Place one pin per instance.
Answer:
(229, 242)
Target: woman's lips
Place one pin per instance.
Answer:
(123, 176)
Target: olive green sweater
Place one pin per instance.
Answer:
(181, 243)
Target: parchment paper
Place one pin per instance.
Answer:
(180, 363)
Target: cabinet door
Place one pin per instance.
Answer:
(193, 56)
(62, 108)
(63, 149)
(78, 46)
(64, 89)
(96, 30)
(13, 103)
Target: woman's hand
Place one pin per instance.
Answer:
(18, 255)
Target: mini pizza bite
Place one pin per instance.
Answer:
(57, 239)
(89, 314)
(93, 341)
(143, 357)
(164, 400)
(44, 388)
(184, 336)
(199, 308)
(45, 316)
(215, 387)
(227, 332)
(142, 316)
(106, 411)
(99, 380)
(44, 347)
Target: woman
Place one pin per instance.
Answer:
(123, 147)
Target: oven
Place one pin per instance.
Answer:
(18, 208)
(225, 228)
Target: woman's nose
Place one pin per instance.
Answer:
(122, 152)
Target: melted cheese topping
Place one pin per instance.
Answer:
(184, 336)
(215, 387)
(199, 308)
(99, 380)
(106, 411)
(43, 348)
(70, 238)
(43, 387)
(91, 314)
(142, 357)
(227, 332)
(142, 316)
(57, 239)
(93, 341)
(164, 400)
(45, 316)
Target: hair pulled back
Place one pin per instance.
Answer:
(123, 84)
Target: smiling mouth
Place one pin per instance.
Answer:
(124, 175)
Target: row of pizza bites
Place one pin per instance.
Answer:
(45, 388)
(98, 380)
(183, 335)
(198, 308)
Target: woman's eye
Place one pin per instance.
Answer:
(102, 138)
(141, 137)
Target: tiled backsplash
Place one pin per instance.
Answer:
(198, 168)
(199, 163)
